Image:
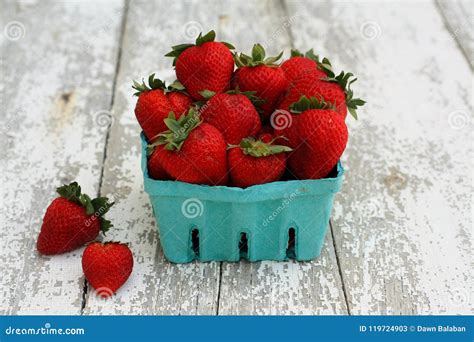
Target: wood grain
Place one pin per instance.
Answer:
(56, 88)
(403, 222)
(458, 16)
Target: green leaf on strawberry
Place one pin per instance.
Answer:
(200, 40)
(257, 58)
(98, 206)
(257, 148)
(156, 83)
(305, 103)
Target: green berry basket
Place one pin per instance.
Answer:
(273, 221)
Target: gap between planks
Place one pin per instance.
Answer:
(123, 26)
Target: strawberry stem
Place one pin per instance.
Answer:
(98, 206)
(257, 148)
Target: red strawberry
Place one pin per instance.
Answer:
(107, 266)
(256, 162)
(300, 64)
(318, 136)
(191, 151)
(233, 114)
(72, 220)
(155, 170)
(207, 65)
(261, 75)
(333, 89)
(156, 101)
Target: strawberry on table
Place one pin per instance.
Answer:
(233, 114)
(107, 266)
(72, 220)
(318, 136)
(300, 64)
(256, 162)
(191, 151)
(206, 65)
(262, 75)
(156, 101)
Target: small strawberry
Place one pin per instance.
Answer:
(256, 162)
(107, 266)
(192, 151)
(262, 75)
(318, 136)
(301, 64)
(333, 89)
(233, 114)
(72, 220)
(156, 101)
(206, 65)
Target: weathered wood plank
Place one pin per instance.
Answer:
(403, 222)
(274, 287)
(459, 18)
(57, 65)
(156, 286)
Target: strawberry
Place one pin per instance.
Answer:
(233, 114)
(156, 101)
(300, 64)
(262, 75)
(155, 170)
(333, 89)
(206, 65)
(256, 162)
(192, 151)
(318, 136)
(72, 220)
(107, 266)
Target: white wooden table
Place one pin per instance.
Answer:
(400, 240)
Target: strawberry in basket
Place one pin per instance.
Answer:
(318, 136)
(333, 89)
(232, 113)
(262, 75)
(156, 101)
(301, 64)
(191, 151)
(206, 65)
(256, 161)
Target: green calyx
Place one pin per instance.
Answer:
(257, 148)
(257, 58)
(305, 103)
(178, 131)
(324, 64)
(156, 83)
(208, 37)
(256, 101)
(98, 206)
(345, 80)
